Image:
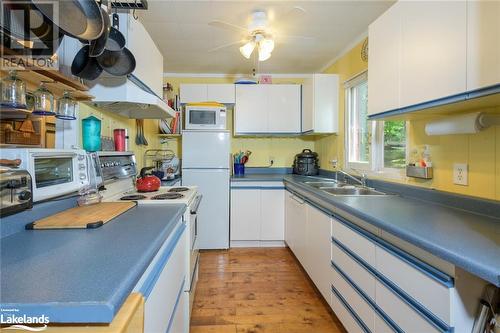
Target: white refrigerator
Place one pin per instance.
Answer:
(206, 164)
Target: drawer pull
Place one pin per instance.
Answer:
(368, 300)
(425, 268)
(172, 315)
(415, 305)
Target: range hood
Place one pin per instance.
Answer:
(130, 98)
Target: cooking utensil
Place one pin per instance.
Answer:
(97, 46)
(85, 66)
(306, 163)
(147, 183)
(116, 40)
(144, 141)
(81, 19)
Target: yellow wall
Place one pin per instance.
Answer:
(282, 150)
(110, 121)
(480, 151)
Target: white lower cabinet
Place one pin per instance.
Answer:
(257, 214)
(295, 225)
(318, 244)
(345, 316)
(163, 287)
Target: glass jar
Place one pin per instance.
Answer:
(13, 92)
(44, 101)
(91, 132)
(66, 107)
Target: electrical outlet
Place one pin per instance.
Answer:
(271, 160)
(334, 163)
(460, 174)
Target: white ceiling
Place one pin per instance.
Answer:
(182, 33)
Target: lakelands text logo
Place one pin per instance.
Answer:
(23, 322)
(29, 34)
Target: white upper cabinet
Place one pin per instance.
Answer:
(267, 109)
(320, 104)
(433, 50)
(138, 40)
(283, 105)
(250, 111)
(384, 56)
(193, 93)
(483, 44)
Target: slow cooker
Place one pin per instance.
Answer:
(306, 163)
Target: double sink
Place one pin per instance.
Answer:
(344, 189)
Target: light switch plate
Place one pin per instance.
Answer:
(461, 174)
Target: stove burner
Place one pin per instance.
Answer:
(179, 189)
(133, 197)
(167, 196)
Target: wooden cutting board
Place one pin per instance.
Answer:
(84, 217)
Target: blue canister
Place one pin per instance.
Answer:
(239, 168)
(91, 132)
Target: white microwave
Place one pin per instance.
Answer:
(203, 117)
(54, 172)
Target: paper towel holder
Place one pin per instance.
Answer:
(470, 123)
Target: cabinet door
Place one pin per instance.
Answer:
(318, 249)
(289, 217)
(221, 93)
(296, 225)
(384, 37)
(433, 54)
(284, 107)
(483, 46)
(250, 111)
(273, 214)
(308, 105)
(245, 214)
(192, 93)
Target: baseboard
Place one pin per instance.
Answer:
(257, 243)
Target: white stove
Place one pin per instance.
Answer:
(119, 180)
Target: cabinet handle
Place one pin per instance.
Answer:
(297, 199)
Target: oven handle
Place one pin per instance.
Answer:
(196, 204)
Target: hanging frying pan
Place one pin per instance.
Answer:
(97, 45)
(85, 66)
(118, 63)
(81, 19)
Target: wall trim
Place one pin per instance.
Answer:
(345, 50)
(237, 75)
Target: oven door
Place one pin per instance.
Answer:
(194, 252)
(57, 174)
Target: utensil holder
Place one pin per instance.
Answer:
(239, 169)
(419, 172)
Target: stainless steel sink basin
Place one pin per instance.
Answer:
(323, 184)
(352, 191)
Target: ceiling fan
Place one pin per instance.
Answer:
(259, 34)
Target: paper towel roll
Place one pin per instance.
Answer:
(463, 124)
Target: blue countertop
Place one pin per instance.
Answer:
(82, 275)
(466, 239)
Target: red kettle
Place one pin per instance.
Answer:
(147, 183)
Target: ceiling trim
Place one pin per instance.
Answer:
(345, 50)
(221, 75)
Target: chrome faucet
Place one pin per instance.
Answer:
(361, 181)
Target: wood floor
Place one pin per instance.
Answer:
(257, 290)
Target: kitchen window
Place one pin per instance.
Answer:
(377, 146)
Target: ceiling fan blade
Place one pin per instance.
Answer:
(225, 45)
(227, 26)
(294, 14)
(281, 38)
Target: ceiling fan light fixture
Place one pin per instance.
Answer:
(263, 56)
(247, 49)
(266, 45)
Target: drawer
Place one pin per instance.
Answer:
(358, 274)
(409, 320)
(355, 242)
(414, 280)
(381, 326)
(346, 315)
(363, 310)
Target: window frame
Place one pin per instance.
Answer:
(348, 85)
(375, 165)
